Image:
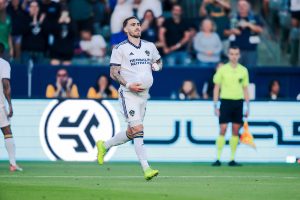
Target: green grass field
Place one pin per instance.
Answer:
(80, 181)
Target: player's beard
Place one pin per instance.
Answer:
(138, 35)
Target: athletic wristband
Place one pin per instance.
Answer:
(127, 85)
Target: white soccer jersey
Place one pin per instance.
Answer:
(135, 62)
(4, 73)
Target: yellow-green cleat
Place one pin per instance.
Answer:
(101, 151)
(150, 173)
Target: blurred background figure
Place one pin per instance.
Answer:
(102, 89)
(123, 10)
(188, 91)
(243, 32)
(149, 27)
(274, 91)
(34, 36)
(16, 12)
(295, 31)
(154, 5)
(61, 51)
(5, 31)
(208, 86)
(207, 45)
(64, 87)
(218, 11)
(174, 35)
(94, 46)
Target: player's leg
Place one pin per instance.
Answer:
(237, 120)
(220, 143)
(10, 147)
(138, 138)
(224, 118)
(119, 138)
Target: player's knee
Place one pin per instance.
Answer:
(136, 131)
(7, 132)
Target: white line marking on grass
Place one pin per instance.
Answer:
(134, 177)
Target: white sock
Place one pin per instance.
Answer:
(141, 152)
(10, 147)
(119, 138)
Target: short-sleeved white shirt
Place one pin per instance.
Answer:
(135, 61)
(4, 73)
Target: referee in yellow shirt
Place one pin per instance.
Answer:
(231, 84)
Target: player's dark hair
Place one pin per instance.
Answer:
(1, 48)
(127, 19)
(234, 47)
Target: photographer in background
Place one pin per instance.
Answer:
(64, 88)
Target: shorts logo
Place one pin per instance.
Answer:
(131, 112)
(147, 53)
(70, 129)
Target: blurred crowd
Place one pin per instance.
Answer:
(187, 32)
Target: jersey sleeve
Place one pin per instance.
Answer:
(116, 57)
(156, 55)
(246, 78)
(218, 77)
(6, 70)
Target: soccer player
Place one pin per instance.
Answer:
(232, 80)
(4, 115)
(132, 62)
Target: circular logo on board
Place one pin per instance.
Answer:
(69, 129)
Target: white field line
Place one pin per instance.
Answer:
(134, 177)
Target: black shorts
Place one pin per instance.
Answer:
(231, 111)
(295, 14)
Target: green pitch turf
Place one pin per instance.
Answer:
(88, 181)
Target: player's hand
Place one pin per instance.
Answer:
(217, 112)
(136, 87)
(11, 112)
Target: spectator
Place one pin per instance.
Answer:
(61, 51)
(154, 5)
(102, 89)
(93, 45)
(5, 30)
(122, 11)
(218, 11)
(274, 90)
(64, 88)
(174, 35)
(149, 27)
(244, 33)
(101, 12)
(51, 12)
(34, 41)
(188, 91)
(208, 45)
(295, 31)
(17, 14)
(208, 86)
(81, 12)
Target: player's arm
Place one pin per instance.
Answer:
(115, 75)
(7, 94)
(216, 94)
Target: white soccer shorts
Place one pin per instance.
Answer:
(133, 107)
